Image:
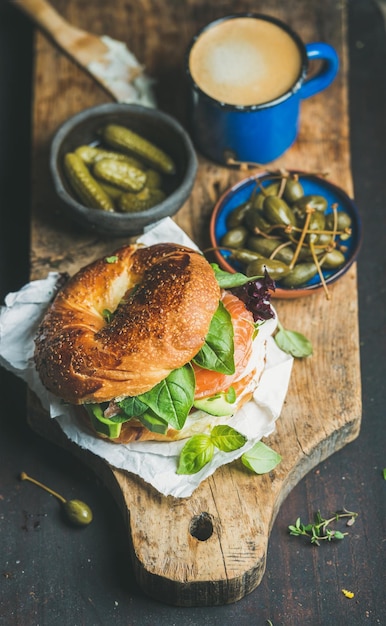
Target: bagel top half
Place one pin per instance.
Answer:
(163, 298)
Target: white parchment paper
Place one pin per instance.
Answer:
(155, 462)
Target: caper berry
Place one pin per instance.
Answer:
(277, 211)
(236, 217)
(311, 201)
(256, 221)
(305, 253)
(299, 275)
(293, 190)
(280, 227)
(276, 269)
(76, 511)
(269, 190)
(244, 255)
(234, 238)
(316, 222)
(325, 239)
(343, 220)
(333, 259)
(268, 247)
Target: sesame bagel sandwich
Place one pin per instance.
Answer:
(154, 343)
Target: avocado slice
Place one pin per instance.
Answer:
(103, 425)
(216, 405)
(152, 422)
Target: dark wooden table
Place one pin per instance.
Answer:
(50, 573)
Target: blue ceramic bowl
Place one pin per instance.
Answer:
(241, 192)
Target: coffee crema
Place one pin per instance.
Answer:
(245, 61)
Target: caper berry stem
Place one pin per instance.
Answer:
(318, 266)
(283, 183)
(285, 244)
(296, 229)
(24, 476)
(335, 213)
(309, 212)
(258, 231)
(243, 165)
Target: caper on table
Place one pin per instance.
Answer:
(76, 511)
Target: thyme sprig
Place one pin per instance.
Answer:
(319, 531)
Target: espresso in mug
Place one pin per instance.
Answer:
(245, 61)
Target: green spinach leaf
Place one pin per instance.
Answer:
(172, 398)
(132, 406)
(218, 351)
(226, 280)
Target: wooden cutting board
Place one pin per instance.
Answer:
(210, 549)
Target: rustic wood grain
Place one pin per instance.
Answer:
(322, 411)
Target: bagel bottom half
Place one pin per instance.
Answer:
(198, 421)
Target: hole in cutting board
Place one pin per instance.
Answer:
(201, 526)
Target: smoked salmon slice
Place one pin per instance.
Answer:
(208, 382)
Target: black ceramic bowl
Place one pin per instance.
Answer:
(154, 125)
(242, 191)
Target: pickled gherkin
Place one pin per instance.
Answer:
(99, 173)
(153, 179)
(84, 185)
(127, 140)
(121, 174)
(92, 154)
(145, 199)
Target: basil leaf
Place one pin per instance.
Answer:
(226, 438)
(172, 398)
(293, 343)
(260, 459)
(226, 280)
(132, 406)
(218, 351)
(195, 454)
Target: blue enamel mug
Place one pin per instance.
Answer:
(248, 76)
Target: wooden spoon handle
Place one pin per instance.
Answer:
(53, 24)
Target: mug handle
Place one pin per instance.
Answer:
(328, 71)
